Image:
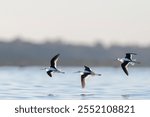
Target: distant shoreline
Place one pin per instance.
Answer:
(20, 53)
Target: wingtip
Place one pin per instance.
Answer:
(85, 66)
(127, 74)
(50, 75)
(131, 53)
(58, 54)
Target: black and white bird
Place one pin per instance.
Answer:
(87, 72)
(126, 61)
(53, 66)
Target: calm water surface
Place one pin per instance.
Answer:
(33, 83)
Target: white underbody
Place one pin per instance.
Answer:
(122, 60)
(53, 70)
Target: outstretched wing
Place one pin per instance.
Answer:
(87, 69)
(83, 79)
(124, 67)
(54, 60)
(129, 55)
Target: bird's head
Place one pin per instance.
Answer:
(119, 59)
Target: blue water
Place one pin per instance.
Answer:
(32, 83)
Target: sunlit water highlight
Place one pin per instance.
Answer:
(33, 83)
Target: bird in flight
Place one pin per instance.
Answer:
(126, 61)
(53, 66)
(84, 74)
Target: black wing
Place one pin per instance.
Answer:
(124, 67)
(53, 61)
(87, 68)
(83, 79)
(132, 53)
(129, 55)
(49, 73)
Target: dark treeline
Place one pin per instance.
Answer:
(22, 53)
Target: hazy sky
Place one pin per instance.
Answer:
(77, 21)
